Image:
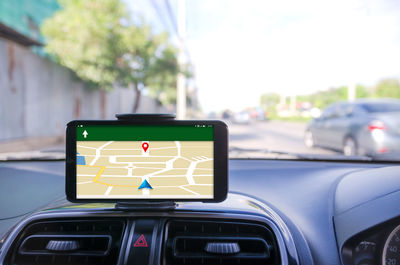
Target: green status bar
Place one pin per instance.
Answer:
(144, 133)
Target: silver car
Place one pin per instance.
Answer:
(361, 127)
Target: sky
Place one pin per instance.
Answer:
(242, 49)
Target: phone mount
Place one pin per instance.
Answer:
(145, 205)
(145, 116)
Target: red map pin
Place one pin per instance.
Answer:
(145, 146)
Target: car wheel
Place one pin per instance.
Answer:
(309, 139)
(349, 147)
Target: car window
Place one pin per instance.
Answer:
(328, 113)
(348, 110)
(382, 107)
(334, 111)
(265, 68)
(358, 111)
(341, 110)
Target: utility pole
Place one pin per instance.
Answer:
(293, 104)
(282, 101)
(181, 81)
(351, 92)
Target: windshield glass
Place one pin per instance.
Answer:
(292, 79)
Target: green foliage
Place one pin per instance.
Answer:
(298, 119)
(99, 42)
(163, 74)
(269, 101)
(362, 91)
(387, 88)
(81, 37)
(322, 99)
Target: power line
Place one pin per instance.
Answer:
(171, 17)
(159, 13)
(181, 79)
(173, 21)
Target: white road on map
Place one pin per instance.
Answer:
(169, 165)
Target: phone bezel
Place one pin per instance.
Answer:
(220, 158)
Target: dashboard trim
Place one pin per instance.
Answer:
(285, 242)
(365, 216)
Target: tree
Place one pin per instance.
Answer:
(269, 101)
(98, 40)
(387, 88)
(322, 99)
(362, 91)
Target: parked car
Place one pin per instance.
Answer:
(242, 117)
(361, 127)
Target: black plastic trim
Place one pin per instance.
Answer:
(285, 242)
(88, 253)
(220, 157)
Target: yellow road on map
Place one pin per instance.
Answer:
(116, 169)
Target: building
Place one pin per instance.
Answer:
(20, 20)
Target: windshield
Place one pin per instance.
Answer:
(292, 79)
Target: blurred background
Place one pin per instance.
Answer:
(268, 68)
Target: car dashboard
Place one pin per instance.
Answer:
(277, 212)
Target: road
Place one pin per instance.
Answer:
(272, 135)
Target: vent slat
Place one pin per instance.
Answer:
(186, 242)
(97, 241)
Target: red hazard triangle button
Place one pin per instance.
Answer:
(140, 242)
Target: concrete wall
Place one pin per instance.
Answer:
(38, 97)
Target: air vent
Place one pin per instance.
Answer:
(190, 242)
(69, 242)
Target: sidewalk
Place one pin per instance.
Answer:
(33, 144)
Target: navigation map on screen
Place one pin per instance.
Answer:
(145, 162)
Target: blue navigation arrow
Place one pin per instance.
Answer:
(145, 185)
